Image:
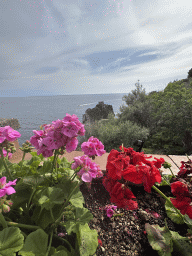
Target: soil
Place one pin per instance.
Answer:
(125, 235)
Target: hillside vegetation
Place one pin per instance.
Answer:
(163, 119)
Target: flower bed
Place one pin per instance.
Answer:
(47, 212)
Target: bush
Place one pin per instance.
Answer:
(113, 135)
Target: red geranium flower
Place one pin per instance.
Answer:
(120, 195)
(158, 163)
(185, 169)
(183, 200)
(116, 164)
(183, 205)
(179, 189)
(141, 174)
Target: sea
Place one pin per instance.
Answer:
(33, 111)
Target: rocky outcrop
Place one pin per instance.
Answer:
(12, 122)
(100, 111)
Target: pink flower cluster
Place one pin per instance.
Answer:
(109, 210)
(59, 133)
(93, 147)
(5, 188)
(8, 134)
(89, 169)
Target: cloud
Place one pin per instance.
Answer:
(97, 46)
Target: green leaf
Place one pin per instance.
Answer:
(62, 253)
(77, 199)
(47, 165)
(49, 197)
(188, 221)
(68, 186)
(181, 244)
(35, 244)
(43, 217)
(87, 240)
(22, 195)
(61, 248)
(11, 241)
(35, 154)
(172, 214)
(164, 179)
(159, 239)
(64, 163)
(82, 216)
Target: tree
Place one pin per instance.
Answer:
(173, 113)
(189, 73)
(137, 94)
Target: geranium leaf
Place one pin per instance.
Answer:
(77, 199)
(159, 239)
(49, 197)
(43, 217)
(82, 216)
(188, 221)
(87, 240)
(172, 214)
(35, 154)
(35, 244)
(181, 244)
(11, 241)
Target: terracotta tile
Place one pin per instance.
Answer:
(174, 160)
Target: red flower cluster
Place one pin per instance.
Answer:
(183, 200)
(131, 166)
(185, 169)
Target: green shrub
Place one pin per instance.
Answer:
(113, 135)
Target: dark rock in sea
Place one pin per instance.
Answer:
(12, 122)
(100, 111)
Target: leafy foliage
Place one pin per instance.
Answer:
(167, 114)
(112, 134)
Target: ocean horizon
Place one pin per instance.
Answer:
(33, 111)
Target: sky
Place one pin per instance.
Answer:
(63, 47)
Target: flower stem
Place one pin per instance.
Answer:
(3, 221)
(167, 199)
(50, 242)
(168, 183)
(22, 225)
(54, 161)
(172, 173)
(4, 163)
(66, 203)
(73, 176)
(188, 158)
(23, 156)
(63, 240)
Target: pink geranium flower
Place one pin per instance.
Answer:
(70, 129)
(61, 133)
(89, 169)
(93, 147)
(110, 210)
(10, 133)
(71, 145)
(6, 187)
